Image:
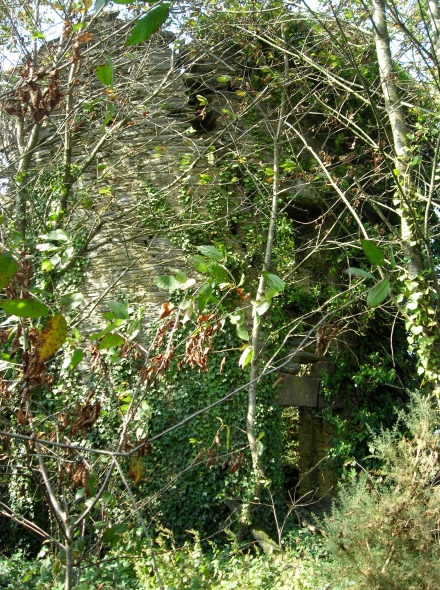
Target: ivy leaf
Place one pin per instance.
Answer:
(8, 268)
(25, 308)
(211, 253)
(136, 469)
(104, 73)
(110, 341)
(358, 272)
(374, 254)
(378, 293)
(52, 337)
(149, 24)
(246, 356)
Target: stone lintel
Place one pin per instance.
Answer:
(300, 392)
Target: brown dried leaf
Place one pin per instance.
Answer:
(21, 417)
(165, 309)
(84, 38)
(80, 476)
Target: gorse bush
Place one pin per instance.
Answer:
(384, 530)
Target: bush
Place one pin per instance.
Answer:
(384, 531)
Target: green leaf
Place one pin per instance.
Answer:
(76, 358)
(25, 308)
(120, 528)
(111, 340)
(119, 309)
(378, 293)
(202, 100)
(358, 272)
(246, 356)
(262, 306)
(149, 24)
(271, 292)
(71, 301)
(108, 535)
(58, 235)
(200, 264)
(211, 252)
(107, 119)
(52, 337)
(204, 296)
(167, 283)
(392, 259)
(218, 272)
(46, 265)
(124, 1)
(242, 333)
(8, 268)
(374, 254)
(274, 280)
(104, 73)
(106, 330)
(224, 79)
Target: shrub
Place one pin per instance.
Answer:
(384, 529)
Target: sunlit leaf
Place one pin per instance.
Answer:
(262, 306)
(211, 252)
(76, 358)
(58, 235)
(8, 268)
(51, 337)
(149, 24)
(25, 308)
(242, 333)
(246, 356)
(374, 254)
(378, 293)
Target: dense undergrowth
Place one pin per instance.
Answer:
(381, 534)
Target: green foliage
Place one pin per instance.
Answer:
(383, 531)
(149, 24)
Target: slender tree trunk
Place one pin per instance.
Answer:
(257, 465)
(26, 152)
(421, 324)
(410, 239)
(68, 550)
